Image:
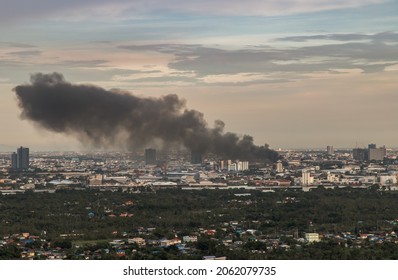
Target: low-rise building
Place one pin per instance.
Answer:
(312, 237)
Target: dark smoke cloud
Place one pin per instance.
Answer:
(119, 119)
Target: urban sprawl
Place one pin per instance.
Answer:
(133, 177)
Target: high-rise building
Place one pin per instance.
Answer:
(237, 165)
(371, 153)
(23, 158)
(20, 160)
(330, 150)
(377, 153)
(307, 178)
(14, 161)
(232, 167)
(279, 166)
(360, 154)
(244, 165)
(196, 158)
(150, 156)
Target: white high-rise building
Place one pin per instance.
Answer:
(279, 166)
(306, 178)
(243, 165)
(237, 165)
(232, 167)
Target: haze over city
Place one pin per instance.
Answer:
(292, 74)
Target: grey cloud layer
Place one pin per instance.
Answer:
(198, 64)
(374, 55)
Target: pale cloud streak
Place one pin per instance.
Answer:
(25, 53)
(385, 37)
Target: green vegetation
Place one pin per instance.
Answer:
(97, 214)
(88, 220)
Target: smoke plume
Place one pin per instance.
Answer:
(118, 119)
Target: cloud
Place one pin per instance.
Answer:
(25, 53)
(241, 79)
(179, 49)
(156, 79)
(161, 65)
(83, 63)
(16, 45)
(379, 37)
(267, 64)
(13, 11)
(355, 51)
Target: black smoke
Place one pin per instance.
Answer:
(118, 119)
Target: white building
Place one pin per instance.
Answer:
(279, 166)
(237, 165)
(388, 180)
(312, 237)
(307, 178)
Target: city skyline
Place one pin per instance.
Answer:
(293, 74)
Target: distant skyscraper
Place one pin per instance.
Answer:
(196, 158)
(20, 160)
(150, 156)
(330, 150)
(14, 161)
(23, 158)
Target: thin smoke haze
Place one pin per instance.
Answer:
(118, 119)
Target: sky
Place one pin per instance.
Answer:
(293, 74)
